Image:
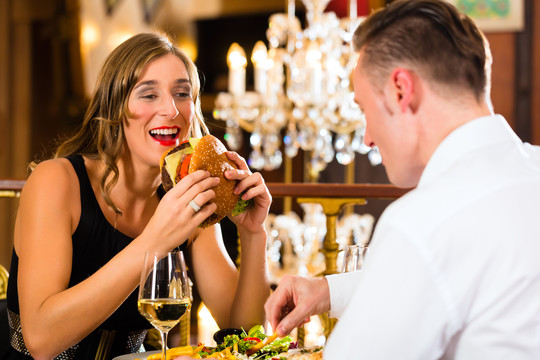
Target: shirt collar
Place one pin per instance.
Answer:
(473, 135)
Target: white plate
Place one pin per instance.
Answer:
(141, 356)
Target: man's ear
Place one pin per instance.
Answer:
(403, 89)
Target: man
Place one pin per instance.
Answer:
(454, 268)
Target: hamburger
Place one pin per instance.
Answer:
(206, 153)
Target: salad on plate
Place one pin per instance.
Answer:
(251, 345)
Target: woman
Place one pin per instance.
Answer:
(87, 216)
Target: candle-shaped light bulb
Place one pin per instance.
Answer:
(259, 57)
(259, 54)
(236, 57)
(236, 60)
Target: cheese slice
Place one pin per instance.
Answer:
(193, 142)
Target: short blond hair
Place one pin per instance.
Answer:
(444, 45)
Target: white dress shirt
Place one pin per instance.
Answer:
(454, 266)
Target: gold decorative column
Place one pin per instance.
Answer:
(332, 208)
(287, 200)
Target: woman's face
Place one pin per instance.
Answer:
(162, 107)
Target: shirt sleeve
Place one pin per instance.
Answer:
(394, 307)
(341, 290)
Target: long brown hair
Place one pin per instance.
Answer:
(101, 135)
(433, 37)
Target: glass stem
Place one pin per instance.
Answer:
(164, 344)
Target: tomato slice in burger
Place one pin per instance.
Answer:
(185, 166)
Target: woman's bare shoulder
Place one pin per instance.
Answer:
(54, 174)
(49, 199)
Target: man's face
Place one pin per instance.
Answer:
(390, 126)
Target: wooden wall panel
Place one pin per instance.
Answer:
(503, 74)
(5, 139)
(22, 98)
(535, 99)
(5, 65)
(18, 124)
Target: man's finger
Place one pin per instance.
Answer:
(292, 320)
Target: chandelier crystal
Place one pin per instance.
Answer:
(303, 94)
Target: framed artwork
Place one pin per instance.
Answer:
(494, 15)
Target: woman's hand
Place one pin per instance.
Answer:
(253, 187)
(175, 219)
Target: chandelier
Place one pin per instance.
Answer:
(303, 94)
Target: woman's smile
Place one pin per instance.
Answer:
(165, 135)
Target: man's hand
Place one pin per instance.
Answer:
(294, 301)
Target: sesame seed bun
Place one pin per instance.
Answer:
(209, 155)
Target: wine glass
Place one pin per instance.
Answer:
(353, 258)
(164, 292)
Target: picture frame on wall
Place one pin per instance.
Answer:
(494, 15)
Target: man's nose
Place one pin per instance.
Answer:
(368, 141)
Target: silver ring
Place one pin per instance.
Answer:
(194, 205)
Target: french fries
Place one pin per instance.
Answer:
(223, 354)
(193, 352)
(178, 351)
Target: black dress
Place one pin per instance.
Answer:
(95, 242)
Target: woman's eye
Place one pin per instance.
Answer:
(149, 96)
(183, 94)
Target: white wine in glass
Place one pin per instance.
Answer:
(164, 292)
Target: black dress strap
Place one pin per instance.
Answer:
(88, 199)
